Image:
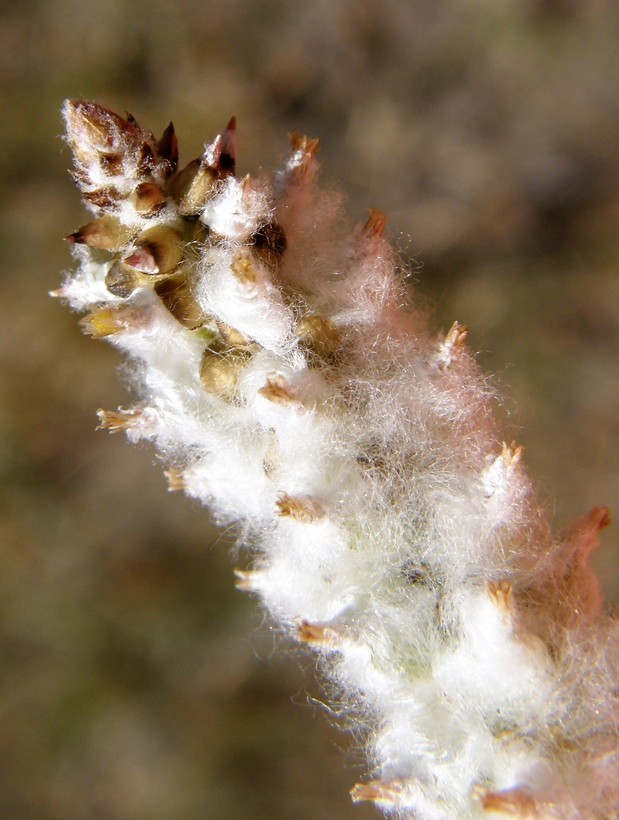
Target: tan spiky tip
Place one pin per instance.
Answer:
(176, 480)
(319, 635)
(117, 420)
(512, 453)
(516, 802)
(376, 791)
(502, 595)
(309, 146)
(278, 390)
(301, 508)
(456, 336)
(302, 163)
(246, 579)
(375, 224)
(450, 348)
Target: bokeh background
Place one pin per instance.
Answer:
(135, 682)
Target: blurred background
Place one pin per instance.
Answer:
(135, 682)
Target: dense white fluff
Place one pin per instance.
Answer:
(289, 382)
(307, 581)
(86, 286)
(236, 210)
(255, 309)
(493, 667)
(230, 478)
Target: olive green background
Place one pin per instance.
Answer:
(135, 682)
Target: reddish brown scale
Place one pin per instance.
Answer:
(159, 250)
(269, 243)
(111, 164)
(226, 161)
(146, 159)
(167, 147)
(148, 199)
(106, 198)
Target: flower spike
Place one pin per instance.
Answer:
(290, 381)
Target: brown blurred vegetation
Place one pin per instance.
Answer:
(135, 682)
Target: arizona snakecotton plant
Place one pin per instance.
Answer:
(289, 381)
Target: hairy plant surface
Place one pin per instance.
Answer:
(290, 382)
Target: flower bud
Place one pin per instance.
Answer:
(158, 250)
(219, 372)
(192, 187)
(148, 199)
(177, 294)
(319, 336)
(105, 233)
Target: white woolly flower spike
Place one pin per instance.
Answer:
(290, 383)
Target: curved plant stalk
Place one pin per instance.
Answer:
(289, 382)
